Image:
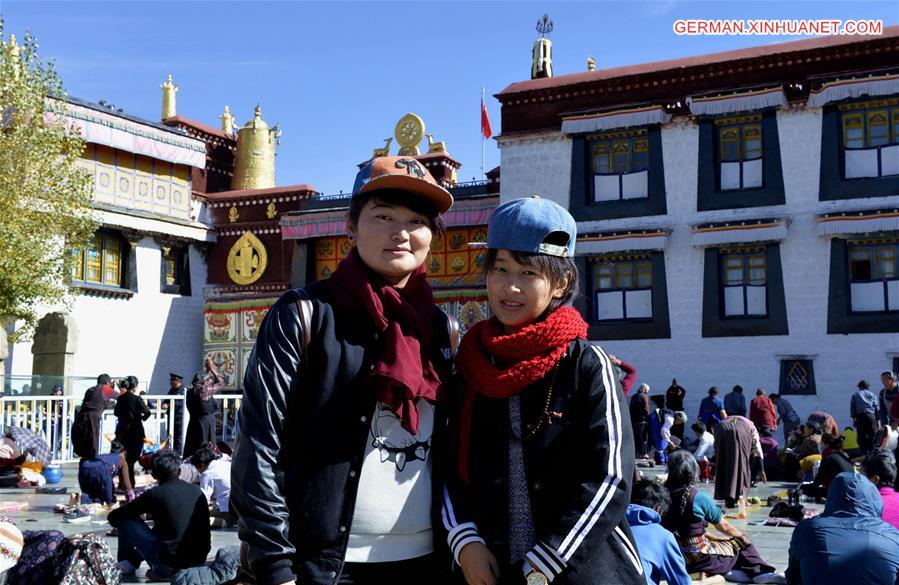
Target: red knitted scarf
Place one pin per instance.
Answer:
(519, 359)
(404, 321)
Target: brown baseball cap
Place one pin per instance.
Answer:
(403, 173)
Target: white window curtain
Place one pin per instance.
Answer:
(745, 301)
(889, 160)
(893, 295)
(866, 296)
(606, 188)
(624, 186)
(627, 304)
(610, 305)
(862, 162)
(635, 185)
(741, 174)
(639, 304)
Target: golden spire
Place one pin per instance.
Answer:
(591, 63)
(168, 98)
(14, 54)
(254, 164)
(228, 121)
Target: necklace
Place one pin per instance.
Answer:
(546, 417)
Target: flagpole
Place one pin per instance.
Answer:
(483, 140)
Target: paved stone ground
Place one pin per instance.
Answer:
(40, 516)
(772, 542)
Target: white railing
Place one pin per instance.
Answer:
(51, 418)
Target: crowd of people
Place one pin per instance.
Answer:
(375, 447)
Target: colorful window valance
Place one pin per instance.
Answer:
(618, 242)
(835, 91)
(762, 230)
(858, 222)
(737, 102)
(576, 124)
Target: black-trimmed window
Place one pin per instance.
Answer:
(797, 376)
(859, 292)
(739, 141)
(620, 165)
(743, 292)
(622, 288)
(873, 276)
(744, 283)
(739, 162)
(870, 138)
(175, 270)
(617, 174)
(626, 295)
(860, 149)
(100, 261)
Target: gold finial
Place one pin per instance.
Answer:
(228, 121)
(233, 215)
(254, 164)
(168, 97)
(14, 54)
(384, 150)
(591, 63)
(435, 146)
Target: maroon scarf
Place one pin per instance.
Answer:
(519, 360)
(404, 321)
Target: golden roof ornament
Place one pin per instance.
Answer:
(254, 164)
(542, 62)
(14, 54)
(384, 150)
(591, 63)
(435, 146)
(228, 121)
(168, 97)
(409, 131)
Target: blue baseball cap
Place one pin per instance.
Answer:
(534, 225)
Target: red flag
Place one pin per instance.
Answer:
(485, 120)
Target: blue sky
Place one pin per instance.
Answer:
(338, 75)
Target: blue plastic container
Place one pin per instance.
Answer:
(53, 473)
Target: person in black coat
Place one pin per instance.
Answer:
(93, 405)
(176, 382)
(131, 411)
(201, 408)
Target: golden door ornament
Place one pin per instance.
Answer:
(233, 214)
(247, 259)
(271, 211)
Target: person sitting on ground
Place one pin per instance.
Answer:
(661, 556)
(180, 535)
(811, 441)
(880, 467)
(770, 457)
(732, 555)
(835, 462)
(828, 423)
(850, 443)
(96, 474)
(215, 482)
(711, 409)
(705, 451)
(848, 542)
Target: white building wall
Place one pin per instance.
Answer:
(540, 163)
(147, 335)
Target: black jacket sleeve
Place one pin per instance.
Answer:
(597, 506)
(257, 477)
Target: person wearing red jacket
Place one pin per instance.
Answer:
(762, 412)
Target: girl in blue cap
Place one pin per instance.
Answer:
(545, 448)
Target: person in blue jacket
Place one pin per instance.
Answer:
(848, 542)
(661, 556)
